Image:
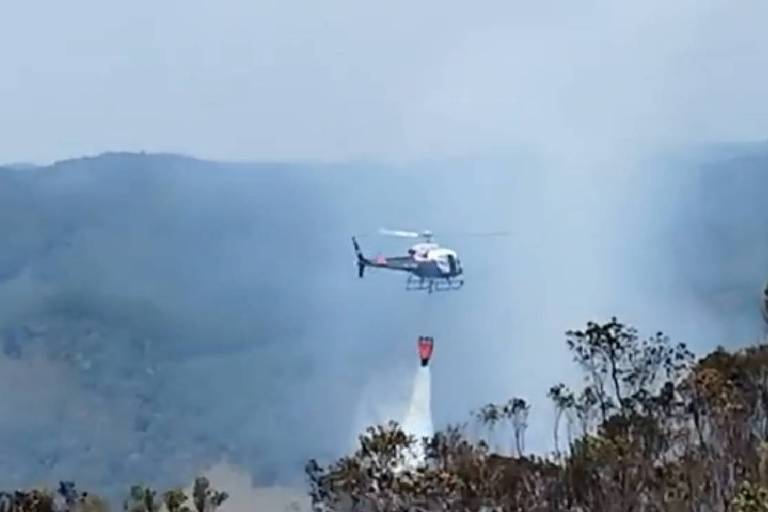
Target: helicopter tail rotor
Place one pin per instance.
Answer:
(361, 260)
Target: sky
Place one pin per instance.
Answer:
(341, 80)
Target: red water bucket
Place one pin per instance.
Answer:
(425, 348)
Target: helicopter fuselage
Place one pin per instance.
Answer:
(434, 261)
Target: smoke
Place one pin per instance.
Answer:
(383, 398)
(244, 496)
(387, 398)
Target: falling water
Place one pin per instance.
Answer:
(418, 419)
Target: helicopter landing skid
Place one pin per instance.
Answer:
(433, 285)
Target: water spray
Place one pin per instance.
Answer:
(418, 418)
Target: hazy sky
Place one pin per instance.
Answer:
(244, 79)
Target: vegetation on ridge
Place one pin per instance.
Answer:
(652, 429)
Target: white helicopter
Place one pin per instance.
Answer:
(429, 266)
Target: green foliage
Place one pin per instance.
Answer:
(750, 498)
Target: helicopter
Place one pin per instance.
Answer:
(430, 266)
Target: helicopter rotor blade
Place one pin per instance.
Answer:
(400, 233)
(428, 234)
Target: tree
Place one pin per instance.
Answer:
(516, 412)
(564, 402)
